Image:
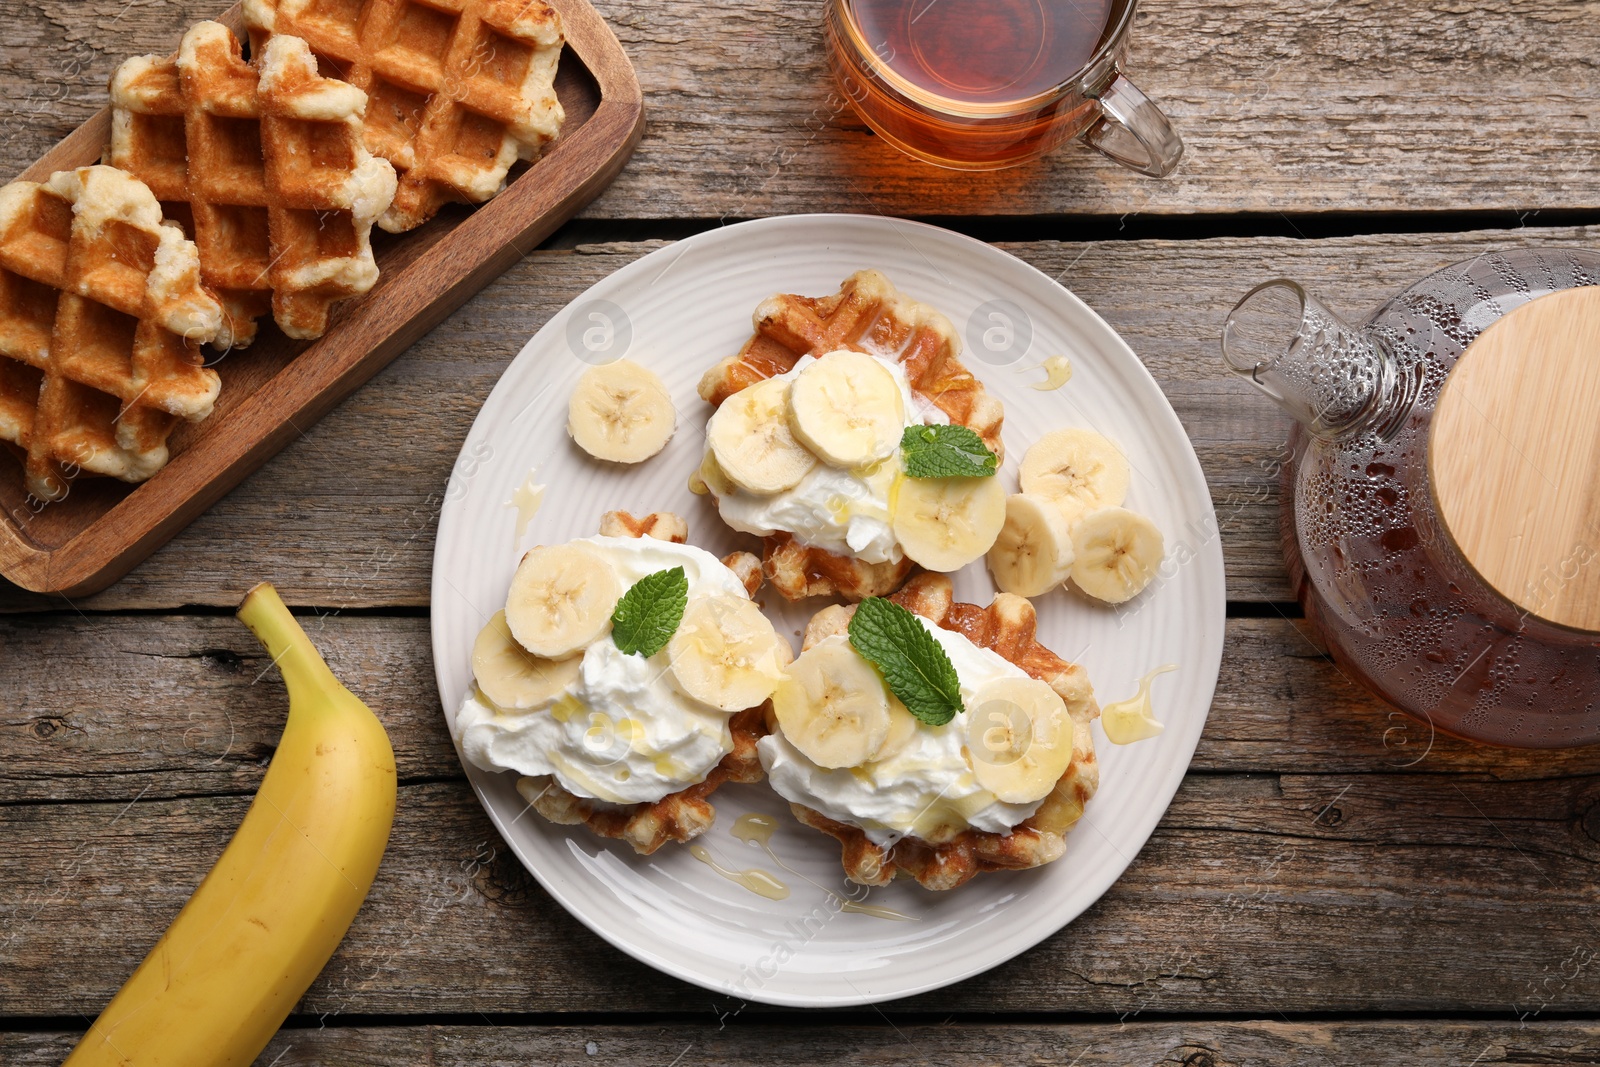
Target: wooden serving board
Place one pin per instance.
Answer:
(274, 390)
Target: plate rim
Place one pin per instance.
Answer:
(1210, 556)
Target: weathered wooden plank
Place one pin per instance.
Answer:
(715, 1042)
(112, 708)
(1258, 894)
(345, 516)
(1283, 108)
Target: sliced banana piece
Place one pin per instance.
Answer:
(1118, 552)
(1033, 553)
(1019, 739)
(847, 408)
(833, 706)
(511, 677)
(561, 599)
(946, 523)
(725, 653)
(753, 443)
(621, 412)
(902, 731)
(1078, 469)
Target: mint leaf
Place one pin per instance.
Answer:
(649, 612)
(952, 451)
(910, 660)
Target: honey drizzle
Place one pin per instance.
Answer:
(759, 882)
(526, 499)
(1137, 706)
(877, 911)
(1057, 372)
(755, 828)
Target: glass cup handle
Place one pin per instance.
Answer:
(1132, 130)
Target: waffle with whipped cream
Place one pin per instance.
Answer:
(921, 349)
(937, 839)
(616, 741)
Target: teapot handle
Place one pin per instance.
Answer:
(1132, 130)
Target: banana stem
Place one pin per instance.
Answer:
(265, 613)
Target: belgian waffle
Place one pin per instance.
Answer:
(869, 315)
(265, 166)
(679, 816)
(1008, 627)
(459, 89)
(102, 316)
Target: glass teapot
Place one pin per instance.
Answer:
(1441, 510)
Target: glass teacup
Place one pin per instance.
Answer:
(985, 84)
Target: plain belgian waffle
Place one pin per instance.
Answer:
(458, 89)
(102, 316)
(265, 166)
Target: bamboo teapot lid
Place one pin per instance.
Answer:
(1514, 457)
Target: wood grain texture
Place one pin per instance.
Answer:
(193, 714)
(1514, 457)
(1258, 894)
(87, 541)
(345, 515)
(1369, 106)
(714, 1041)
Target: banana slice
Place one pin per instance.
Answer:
(847, 409)
(1078, 469)
(753, 443)
(833, 706)
(1118, 552)
(561, 599)
(1033, 553)
(946, 523)
(726, 653)
(902, 731)
(621, 412)
(510, 676)
(1019, 739)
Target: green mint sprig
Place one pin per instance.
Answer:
(952, 451)
(910, 660)
(649, 612)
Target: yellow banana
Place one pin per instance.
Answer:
(261, 926)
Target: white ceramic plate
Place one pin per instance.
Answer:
(681, 309)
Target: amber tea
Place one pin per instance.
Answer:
(983, 51)
(976, 84)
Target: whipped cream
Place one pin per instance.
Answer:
(845, 512)
(927, 789)
(622, 732)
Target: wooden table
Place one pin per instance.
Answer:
(1326, 888)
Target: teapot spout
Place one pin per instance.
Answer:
(1334, 379)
